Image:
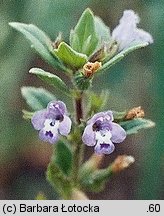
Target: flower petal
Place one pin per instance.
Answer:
(118, 133)
(48, 136)
(108, 115)
(38, 119)
(89, 137)
(143, 36)
(58, 107)
(127, 32)
(95, 117)
(104, 148)
(65, 126)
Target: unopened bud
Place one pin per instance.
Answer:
(90, 68)
(136, 112)
(91, 165)
(95, 161)
(122, 162)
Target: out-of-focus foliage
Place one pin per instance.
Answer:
(137, 80)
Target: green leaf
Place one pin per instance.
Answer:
(50, 78)
(36, 98)
(58, 180)
(102, 30)
(132, 126)
(120, 56)
(40, 42)
(70, 57)
(63, 157)
(96, 180)
(84, 38)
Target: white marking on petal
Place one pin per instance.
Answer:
(103, 137)
(51, 127)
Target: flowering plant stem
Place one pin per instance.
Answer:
(91, 37)
(78, 147)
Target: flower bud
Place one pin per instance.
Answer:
(95, 161)
(122, 162)
(136, 112)
(90, 68)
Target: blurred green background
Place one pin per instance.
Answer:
(137, 80)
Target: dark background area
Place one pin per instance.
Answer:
(137, 80)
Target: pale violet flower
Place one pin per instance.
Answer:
(127, 31)
(102, 133)
(52, 122)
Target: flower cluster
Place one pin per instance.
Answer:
(100, 130)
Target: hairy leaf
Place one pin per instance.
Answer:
(133, 126)
(36, 98)
(102, 30)
(40, 42)
(120, 56)
(63, 157)
(50, 78)
(69, 56)
(84, 38)
(58, 180)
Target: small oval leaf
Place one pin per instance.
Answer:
(50, 78)
(40, 42)
(84, 33)
(36, 98)
(63, 157)
(132, 126)
(70, 57)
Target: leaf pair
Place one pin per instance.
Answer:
(89, 32)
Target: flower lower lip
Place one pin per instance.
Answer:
(49, 133)
(104, 145)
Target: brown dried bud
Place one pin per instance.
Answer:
(90, 68)
(122, 162)
(136, 112)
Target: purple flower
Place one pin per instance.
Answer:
(101, 132)
(127, 32)
(52, 122)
